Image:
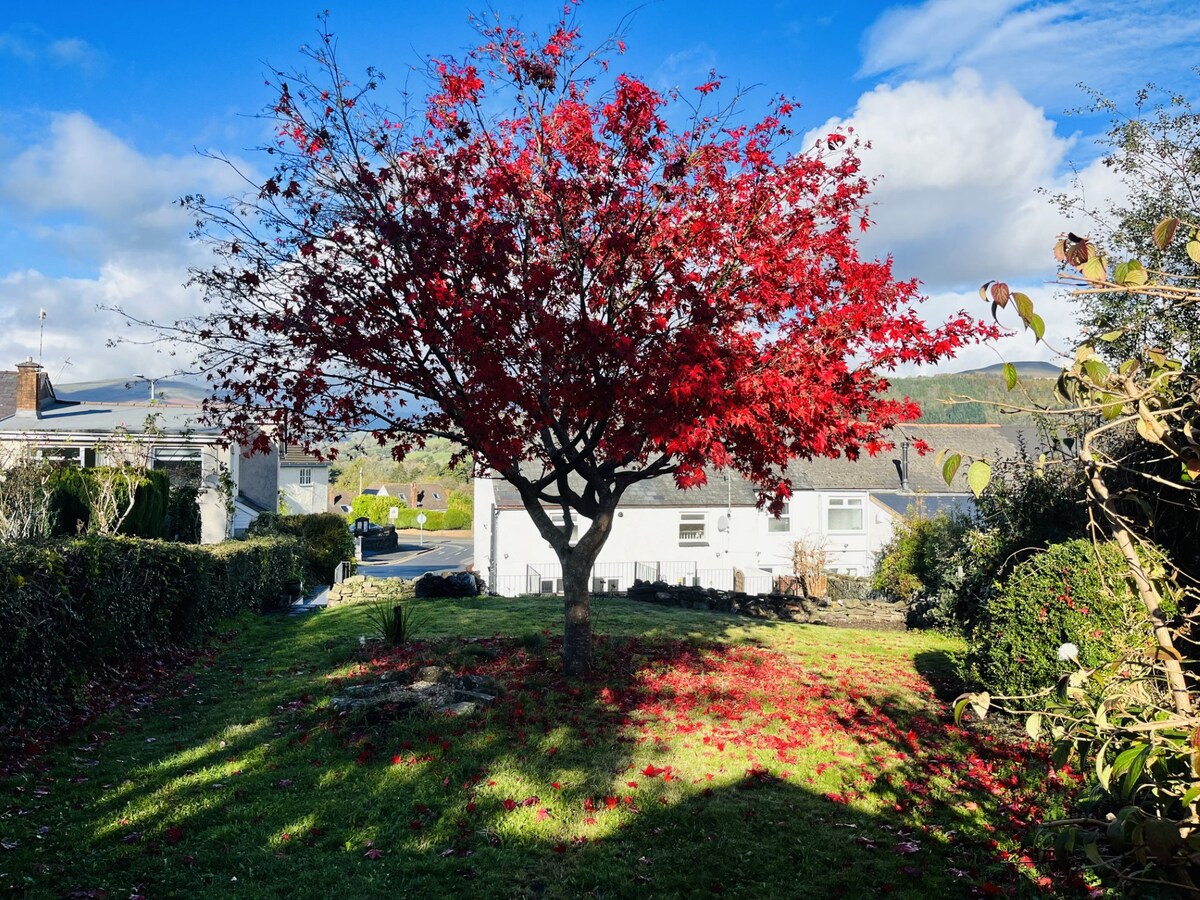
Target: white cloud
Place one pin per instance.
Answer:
(1044, 48)
(1018, 344)
(84, 168)
(33, 46)
(685, 69)
(85, 197)
(960, 164)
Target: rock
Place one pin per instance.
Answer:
(430, 673)
(457, 709)
(482, 683)
(476, 697)
(389, 695)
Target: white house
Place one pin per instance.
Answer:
(704, 534)
(34, 422)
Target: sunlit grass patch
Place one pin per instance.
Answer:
(706, 750)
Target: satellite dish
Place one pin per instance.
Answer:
(722, 523)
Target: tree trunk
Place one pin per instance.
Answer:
(577, 626)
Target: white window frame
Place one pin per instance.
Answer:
(559, 521)
(693, 529)
(62, 455)
(846, 503)
(306, 477)
(782, 525)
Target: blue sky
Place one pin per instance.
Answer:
(105, 108)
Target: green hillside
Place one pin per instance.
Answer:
(978, 397)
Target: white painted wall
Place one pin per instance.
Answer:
(652, 535)
(214, 518)
(304, 498)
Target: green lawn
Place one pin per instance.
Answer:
(709, 755)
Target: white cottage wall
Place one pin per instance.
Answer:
(304, 498)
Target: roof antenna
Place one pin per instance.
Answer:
(41, 333)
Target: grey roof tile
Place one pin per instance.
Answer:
(879, 474)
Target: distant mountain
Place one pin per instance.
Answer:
(981, 396)
(132, 390)
(1030, 368)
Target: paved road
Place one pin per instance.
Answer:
(409, 561)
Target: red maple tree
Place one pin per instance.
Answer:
(580, 294)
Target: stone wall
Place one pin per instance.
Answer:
(364, 589)
(849, 612)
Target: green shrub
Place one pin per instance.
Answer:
(913, 562)
(183, 514)
(67, 609)
(325, 539)
(456, 518)
(68, 508)
(148, 518)
(73, 490)
(375, 508)
(1070, 593)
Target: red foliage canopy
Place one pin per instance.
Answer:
(575, 283)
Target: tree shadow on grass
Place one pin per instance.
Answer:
(941, 670)
(685, 766)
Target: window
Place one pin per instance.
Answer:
(72, 456)
(844, 514)
(306, 477)
(783, 523)
(692, 528)
(182, 464)
(560, 523)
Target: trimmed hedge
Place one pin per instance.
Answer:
(68, 608)
(435, 520)
(376, 509)
(325, 540)
(1070, 593)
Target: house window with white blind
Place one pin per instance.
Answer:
(306, 478)
(693, 529)
(844, 514)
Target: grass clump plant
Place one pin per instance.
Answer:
(395, 623)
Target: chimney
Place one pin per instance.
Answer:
(904, 466)
(28, 382)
